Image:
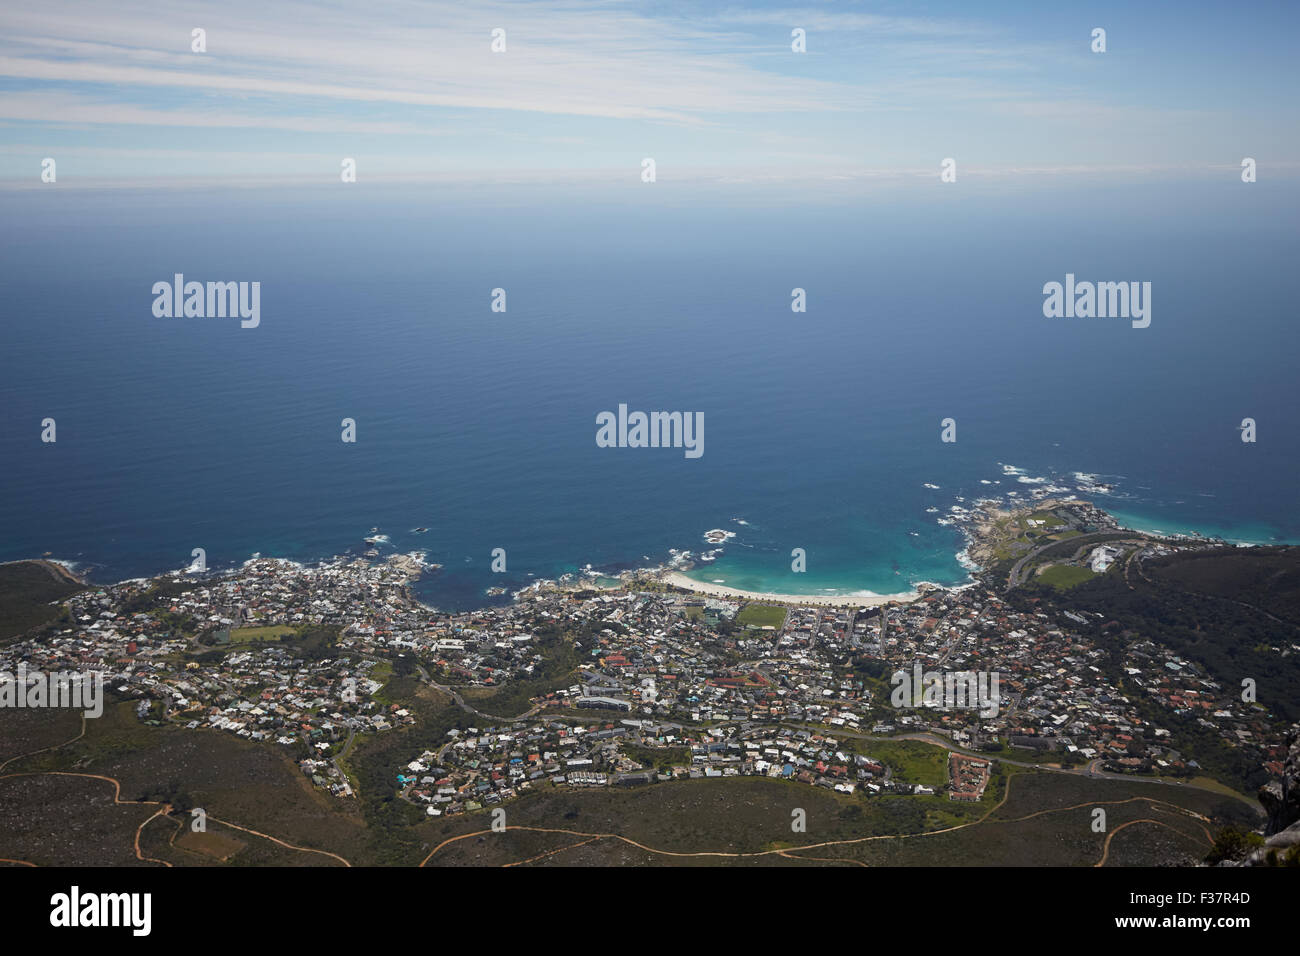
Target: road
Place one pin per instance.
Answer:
(1090, 770)
(1015, 578)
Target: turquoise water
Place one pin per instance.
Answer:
(1257, 533)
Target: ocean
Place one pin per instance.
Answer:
(822, 427)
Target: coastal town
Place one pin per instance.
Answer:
(665, 683)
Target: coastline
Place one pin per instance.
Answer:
(677, 579)
(976, 521)
(59, 569)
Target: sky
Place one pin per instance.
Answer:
(584, 91)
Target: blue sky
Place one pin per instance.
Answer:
(711, 90)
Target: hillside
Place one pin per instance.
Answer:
(27, 590)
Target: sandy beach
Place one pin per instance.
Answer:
(677, 579)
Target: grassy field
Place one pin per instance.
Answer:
(913, 761)
(1065, 576)
(760, 615)
(220, 846)
(1028, 754)
(1048, 519)
(246, 635)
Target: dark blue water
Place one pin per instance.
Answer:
(821, 428)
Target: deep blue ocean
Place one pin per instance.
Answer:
(822, 428)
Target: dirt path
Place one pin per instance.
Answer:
(33, 753)
(788, 851)
(164, 808)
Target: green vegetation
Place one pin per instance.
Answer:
(913, 761)
(1183, 603)
(553, 672)
(1267, 578)
(1048, 519)
(251, 784)
(384, 672)
(27, 590)
(1064, 576)
(375, 762)
(153, 599)
(245, 635)
(1068, 547)
(1233, 843)
(752, 814)
(761, 615)
(1231, 613)
(256, 786)
(659, 758)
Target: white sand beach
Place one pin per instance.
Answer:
(677, 579)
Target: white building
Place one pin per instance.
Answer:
(1102, 557)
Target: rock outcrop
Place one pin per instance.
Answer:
(1281, 801)
(1281, 797)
